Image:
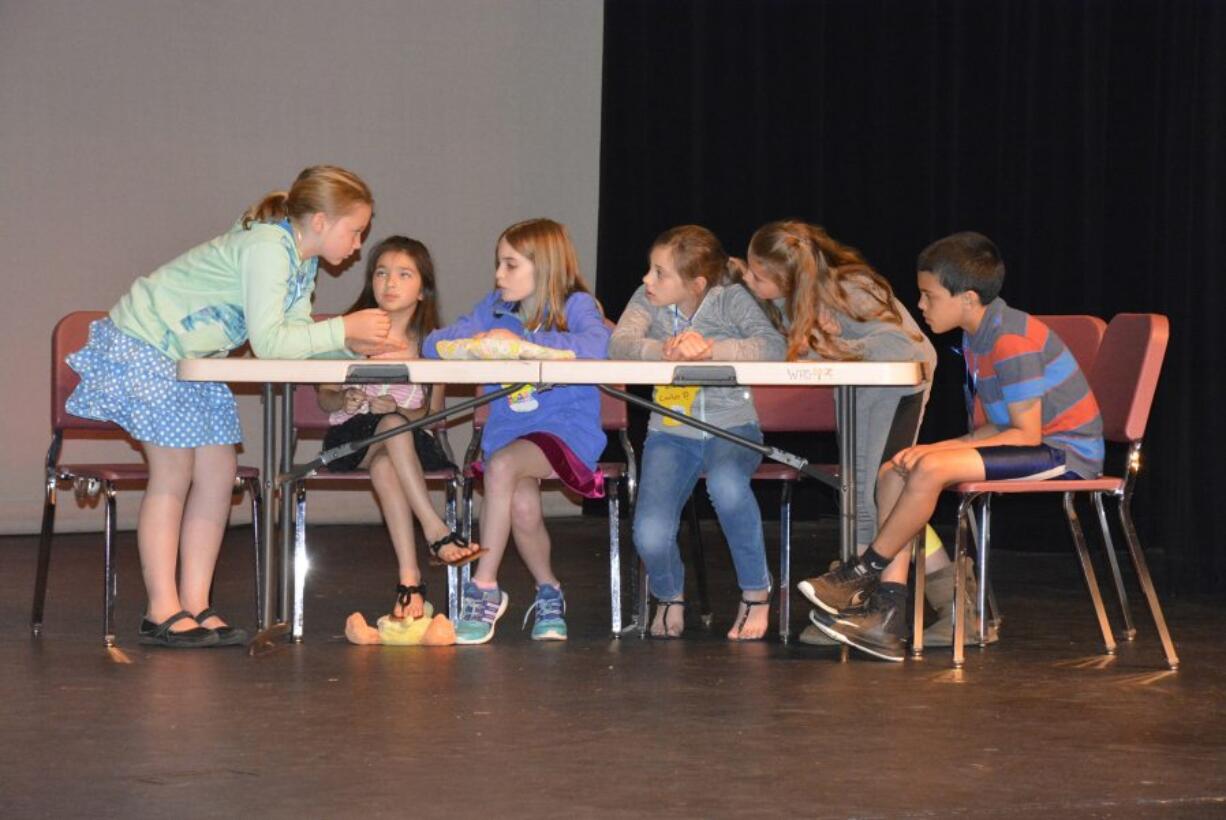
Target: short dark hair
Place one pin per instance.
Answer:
(965, 261)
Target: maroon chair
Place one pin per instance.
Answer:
(619, 477)
(1082, 334)
(91, 479)
(312, 422)
(1124, 378)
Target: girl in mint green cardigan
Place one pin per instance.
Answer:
(251, 284)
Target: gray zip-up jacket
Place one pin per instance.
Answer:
(731, 318)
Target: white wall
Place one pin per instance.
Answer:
(131, 130)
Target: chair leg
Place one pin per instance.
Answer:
(1147, 583)
(1087, 569)
(44, 557)
(301, 562)
(615, 558)
(110, 580)
(981, 536)
(919, 557)
(987, 599)
(454, 491)
(965, 509)
(785, 562)
(700, 563)
(253, 492)
(1130, 632)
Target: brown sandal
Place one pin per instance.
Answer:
(458, 540)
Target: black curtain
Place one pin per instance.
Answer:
(1086, 138)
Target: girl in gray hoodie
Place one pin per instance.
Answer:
(691, 307)
(832, 305)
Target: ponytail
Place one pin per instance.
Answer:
(272, 208)
(318, 189)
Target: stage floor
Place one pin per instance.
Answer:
(1040, 725)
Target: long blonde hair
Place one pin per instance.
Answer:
(546, 244)
(814, 271)
(318, 189)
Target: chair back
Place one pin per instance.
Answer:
(1125, 374)
(787, 409)
(309, 417)
(1082, 335)
(69, 336)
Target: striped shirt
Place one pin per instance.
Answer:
(1014, 357)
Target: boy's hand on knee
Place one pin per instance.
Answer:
(905, 460)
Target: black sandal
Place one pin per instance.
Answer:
(226, 635)
(749, 605)
(404, 597)
(152, 634)
(458, 540)
(666, 605)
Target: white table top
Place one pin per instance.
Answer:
(342, 371)
(579, 371)
(730, 373)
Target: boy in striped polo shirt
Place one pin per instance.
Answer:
(1033, 417)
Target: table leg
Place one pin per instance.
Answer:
(284, 570)
(846, 419)
(847, 471)
(268, 533)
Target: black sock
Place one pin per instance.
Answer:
(896, 593)
(874, 561)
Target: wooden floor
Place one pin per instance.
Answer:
(1041, 725)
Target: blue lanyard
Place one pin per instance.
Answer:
(676, 311)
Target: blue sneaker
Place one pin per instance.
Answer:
(480, 609)
(550, 606)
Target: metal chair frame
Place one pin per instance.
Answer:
(92, 480)
(1122, 489)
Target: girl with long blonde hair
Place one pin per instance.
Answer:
(539, 296)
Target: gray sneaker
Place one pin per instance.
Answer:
(813, 636)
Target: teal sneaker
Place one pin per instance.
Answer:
(549, 606)
(480, 609)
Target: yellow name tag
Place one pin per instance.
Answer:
(523, 400)
(678, 399)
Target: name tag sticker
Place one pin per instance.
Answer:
(676, 398)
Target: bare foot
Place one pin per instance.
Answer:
(410, 606)
(670, 619)
(751, 621)
(451, 552)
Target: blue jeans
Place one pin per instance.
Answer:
(671, 467)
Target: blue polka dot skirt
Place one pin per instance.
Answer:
(130, 382)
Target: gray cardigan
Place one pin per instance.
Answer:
(731, 318)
